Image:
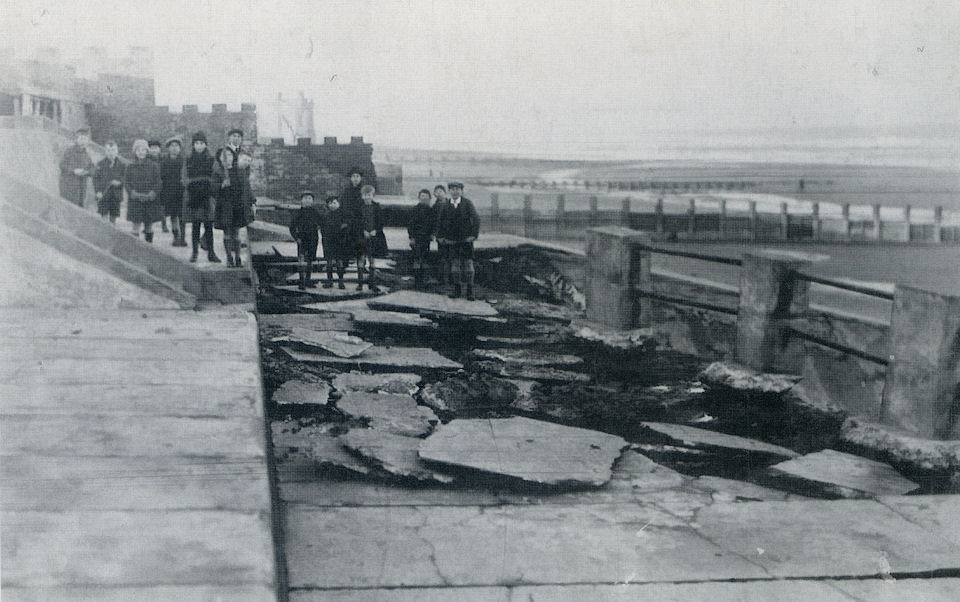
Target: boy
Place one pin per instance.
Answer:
(141, 181)
(459, 225)
(422, 225)
(336, 244)
(303, 228)
(153, 153)
(75, 166)
(372, 232)
(198, 206)
(108, 182)
(443, 249)
(171, 190)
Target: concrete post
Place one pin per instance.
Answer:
(906, 221)
(594, 212)
(754, 222)
(722, 224)
(659, 215)
(877, 232)
(625, 213)
(846, 221)
(817, 222)
(616, 266)
(770, 294)
(527, 216)
(561, 219)
(784, 222)
(938, 224)
(923, 377)
(692, 218)
(494, 211)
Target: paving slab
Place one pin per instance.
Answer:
(285, 322)
(898, 590)
(393, 413)
(395, 454)
(350, 292)
(317, 444)
(160, 593)
(411, 594)
(337, 342)
(938, 514)
(506, 545)
(381, 356)
(731, 490)
(702, 438)
(372, 317)
(337, 306)
(527, 308)
(414, 301)
(531, 450)
(820, 538)
(744, 379)
(845, 474)
(527, 357)
(391, 382)
(714, 591)
(298, 392)
(627, 340)
(76, 371)
(642, 474)
(540, 373)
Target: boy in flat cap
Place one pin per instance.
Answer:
(171, 189)
(75, 167)
(199, 203)
(459, 225)
(423, 223)
(108, 182)
(304, 228)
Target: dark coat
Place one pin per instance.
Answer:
(109, 172)
(74, 187)
(141, 180)
(335, 237)
(171, 182)
(423, 222)
(457, 224)
(305, 223)
(234, 201)
(377, 245)
(350, 202)
(197, 172)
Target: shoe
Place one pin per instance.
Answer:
(373, 288)
(455, 293)
(328, 284)
(148, 236)
(302, 286)
(212, 257)
(237, 262)
(179, 242)
(229, 261)
(342, 286)
(360, 287)
(193, 256)
(163, 225)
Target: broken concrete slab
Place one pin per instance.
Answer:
(316, 443)
(331, 293)
(339, 343)
(397, 414)
(414, 301)
(542, 373)
(538, 310)
(302, 392)
(343, 306)
(396, 454)
(845, 474)
(393, 382)
(721, 374)
(731, 490)
(283, 323)
(364, 316)
(627, 340)
(701, 438)
(531, 450)
(527, 357)
(387, 357)
(529, 340)
(641, 473)
(469, 393)
(525, 398)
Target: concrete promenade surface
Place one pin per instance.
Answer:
(134, 459)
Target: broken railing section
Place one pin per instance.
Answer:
(921, 393)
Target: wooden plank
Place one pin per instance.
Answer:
(181, 350)
(108, 435)
(134, 483)
(137, 548)
(170, 399)
(168, 593)
(186, 325)
(114, 372)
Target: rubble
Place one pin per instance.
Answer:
(330, 293)
(531, 450)
(527, 357)
(545, 373)
(398, 414)
(339, 343)
(302, 392)
(643, 474)
(388, 357)
(396, 454)
(701, 438)
(431, 303)
(720, 374)
(469, 393)
(391, 382)
(628, 340)
(315, 443)
(537, 310)
(845, 475)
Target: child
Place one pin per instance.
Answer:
(108, 182)
(233, 211)
(303, 228)
(370, 245)
(443, 249)
(75, 167)
(171, 189)
(153, 153)
(420, 229)
(198, 204)
(335, 241)
(141, 182)
(459, 225)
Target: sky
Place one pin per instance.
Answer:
(548, 75)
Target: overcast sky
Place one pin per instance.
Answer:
(487, 73)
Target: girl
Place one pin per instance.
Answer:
(234, 209)
(141, 184)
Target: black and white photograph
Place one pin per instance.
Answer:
(470, 301)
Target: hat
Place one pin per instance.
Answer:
(110, 142)
(173, 139)
(154, 143)
(199, 137)
(306, 192)
(139, 142)
(455, 185)
(331, 199)
(83, 131)
(235, 131)
(355, 170)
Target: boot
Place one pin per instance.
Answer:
(341, 285)
(237, 262)
(228, 249)
(329, 282)
(148, 236)
(309, 275)
(163, 224)
(455, 294)
(193, 256)
(470, 296)
(302, 285)
(212, 257)
(359, 278)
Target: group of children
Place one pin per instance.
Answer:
(207, 191)
(351, 227)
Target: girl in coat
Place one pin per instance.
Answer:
(141, 184)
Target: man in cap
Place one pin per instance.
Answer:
(75, 167)
(458, 226)
(351, 203)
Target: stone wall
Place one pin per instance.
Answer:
(281, 171)
(126, 123)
